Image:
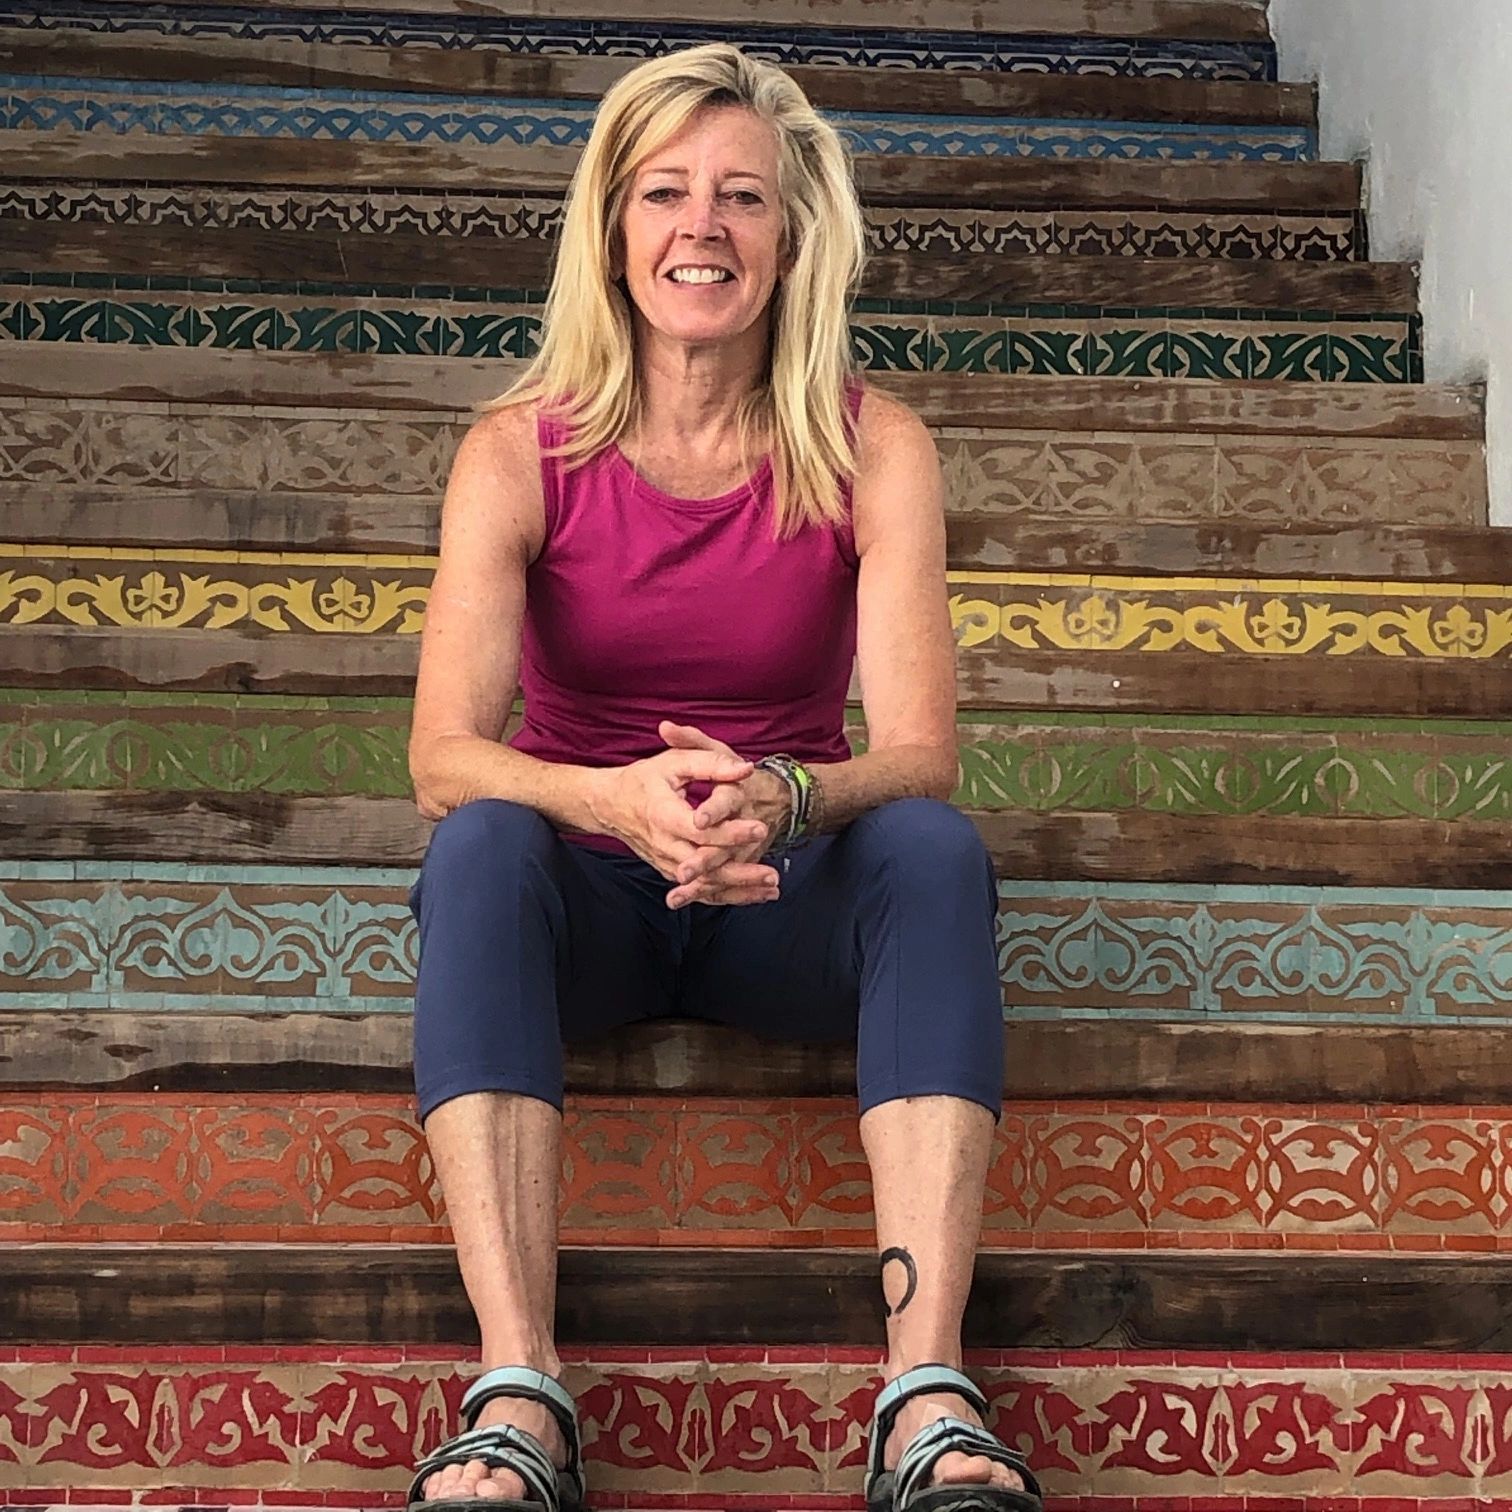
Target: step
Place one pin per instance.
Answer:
(398, 261)
(198, 931)
(1049, 761)
(69, 52)
(741, 1174)
(877, 119)
(755, 1428)
(1102, 341)
(82, 428)
(1216, 20)
(373, 1295)
(213, 1044)
(1308, 236)
(958, 183)
(1172, 682)
(1129, 846)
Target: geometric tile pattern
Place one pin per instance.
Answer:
(308, 592)
(1065, 477)
(1027, 339)
(1040, 763)
(329, 1169)
(854, 46)
(164, 936)
(1247, 235)
(1106, 1431)
(123, 107)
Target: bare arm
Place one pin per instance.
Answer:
(905, 648)
(492, 527)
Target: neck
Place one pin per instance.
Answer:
(692, 394)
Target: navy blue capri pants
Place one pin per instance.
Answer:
(884, 932)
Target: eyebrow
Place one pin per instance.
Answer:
(760, 178)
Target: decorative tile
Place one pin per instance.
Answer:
(333, 940)
(844, 45)
(134, 107)
(1148, 1431)
(226, 1168)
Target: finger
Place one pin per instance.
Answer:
(729, 834)
(743, 883)
(687, 736)
(730, 896)
(708, 857)
(723, 803)
(706, 766)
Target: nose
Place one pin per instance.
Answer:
(700, 219)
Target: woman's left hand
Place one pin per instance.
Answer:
(724, 874)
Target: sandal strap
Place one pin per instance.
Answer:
(501, 1448)
(922, 1380)
(534, 1386)
(952, 1436)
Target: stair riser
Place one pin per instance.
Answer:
(270, 941)
(993, 613)
(323, 1170)
(130, 109)
(852, 45)
(1249, 236)
(1145, 344)
(391, 471)
(748, 1426)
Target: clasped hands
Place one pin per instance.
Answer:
(712, 853)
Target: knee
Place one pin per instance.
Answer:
(926, 832)
(482, 841)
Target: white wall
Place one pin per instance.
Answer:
(1422, 89)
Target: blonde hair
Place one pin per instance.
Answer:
(585, 367)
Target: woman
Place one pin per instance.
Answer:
(676, 532)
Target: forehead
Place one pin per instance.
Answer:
(718, 139)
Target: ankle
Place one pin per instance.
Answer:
(526, 1355)
(900, 1363)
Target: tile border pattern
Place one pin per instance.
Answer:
(325, 1169)
(820, 45)
(118, 107)
(143, 936)
(771, 1428)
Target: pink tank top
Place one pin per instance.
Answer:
(643, 607)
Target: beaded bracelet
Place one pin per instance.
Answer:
(803, 790)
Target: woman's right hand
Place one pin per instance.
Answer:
(645, 805)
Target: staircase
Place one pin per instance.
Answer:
(1235, 686)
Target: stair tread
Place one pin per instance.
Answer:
(276, 1293)
(119, 1051)
(276, 62)
(998, 182)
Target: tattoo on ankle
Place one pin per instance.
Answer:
(912, 1270)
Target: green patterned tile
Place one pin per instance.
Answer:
(1041, 350)
(972, 349)
(1290, 356)
(1125, 351)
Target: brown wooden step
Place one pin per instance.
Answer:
(247, 520)
(404, 259)
(272, 1294)
(71, 1050)
(998, 183)
(1167, 20)
(331, 381)
(272, 61)
(1126, 846)
(1175, 682)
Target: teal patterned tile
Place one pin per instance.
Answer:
(1126, 351)
(981, 347)
(1362, 356)
(1291, 356)
(321, 328)
(1208, 353)
(883, 346)
(1046, 350)
(241, 328)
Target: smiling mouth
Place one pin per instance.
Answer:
(703, 282)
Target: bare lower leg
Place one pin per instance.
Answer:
(929, 1158)
(498, 1158)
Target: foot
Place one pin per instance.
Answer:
(476, 1479)
(953, 1469)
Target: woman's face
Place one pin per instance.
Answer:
(701, 228)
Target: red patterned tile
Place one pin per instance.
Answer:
(734, 1170)
(619, 1168)
(252, 1165)
(831, 1183)
(1322, 1175)
(132, 1162)
(1206, 1171)
(372, 1166)
(1440, 1175)
(1087, 1173)
(34, 1180)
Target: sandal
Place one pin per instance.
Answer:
(907, 1488)
(509, 1448)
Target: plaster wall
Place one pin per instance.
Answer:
(1422, 90)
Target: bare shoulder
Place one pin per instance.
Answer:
(494, 490)
(897, 469)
